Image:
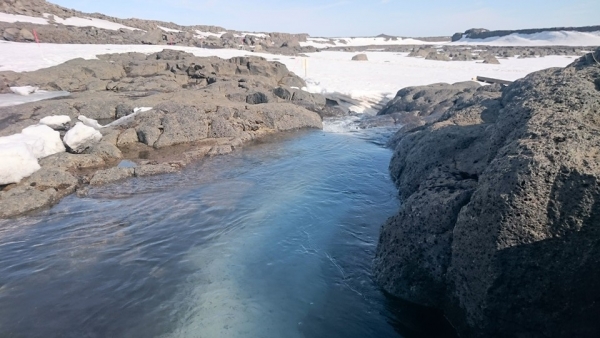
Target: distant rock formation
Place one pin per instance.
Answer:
(500, 218)
(481, 33)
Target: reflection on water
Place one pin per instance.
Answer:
(276, 240)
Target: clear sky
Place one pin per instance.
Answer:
(354, 17)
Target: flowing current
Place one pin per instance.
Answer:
(275, 240)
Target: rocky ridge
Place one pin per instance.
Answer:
(500, 219)
(193, 107)
(143, 32)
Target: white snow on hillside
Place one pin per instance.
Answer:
(559, 38)
(5, 17)
(72, 21)
(357, 42)
(169, 30)
(207, 34)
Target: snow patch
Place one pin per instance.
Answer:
(90, 122)
(12, 18)
(51, 142)
(24, 91)
(56, 121)
(17, 162)
(80, 136)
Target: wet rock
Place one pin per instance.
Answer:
(53, 178)
(111, 175)
(24, 199)
(156, 169)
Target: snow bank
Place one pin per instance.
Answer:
(17, 162)
(72, 21)
(51, 142)
(19, 152)
(40, 140)
(56, 121)
(81, 136)
(558, 38)
(5, 17)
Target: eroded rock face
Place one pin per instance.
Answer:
(500, 221)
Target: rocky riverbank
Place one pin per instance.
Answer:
(160, 112)
(500, 219)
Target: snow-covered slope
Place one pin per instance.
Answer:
(558, 38)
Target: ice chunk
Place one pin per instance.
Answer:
(52, 144)
(57, 122)
(81, 136)
(17, 162)
(141, 109)
(26, 90)
(90, 122)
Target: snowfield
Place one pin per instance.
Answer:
(559, 38)
(357, 42)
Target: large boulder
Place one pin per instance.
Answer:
(360, 57)
(499, 225)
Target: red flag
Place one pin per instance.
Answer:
(36, 36)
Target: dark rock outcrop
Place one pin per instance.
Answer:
(191, 111)
(500, 221)
(360, 57)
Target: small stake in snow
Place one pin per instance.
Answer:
(36, 37)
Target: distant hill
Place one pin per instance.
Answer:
(482, 33)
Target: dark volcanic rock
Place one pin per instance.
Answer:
(500, 221)
(424, 101)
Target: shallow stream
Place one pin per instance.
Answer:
(275, 240)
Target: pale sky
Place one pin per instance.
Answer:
(354, 17)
